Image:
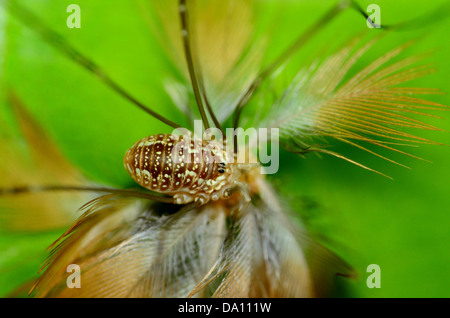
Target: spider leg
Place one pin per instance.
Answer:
(53, 188)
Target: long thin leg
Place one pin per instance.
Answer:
(208, 106)
(433, 16)
(57, 41)
(51, 188)
(194, 69)
(185, 34)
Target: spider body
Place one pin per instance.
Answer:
(187, 168)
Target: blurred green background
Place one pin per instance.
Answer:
(402, 224)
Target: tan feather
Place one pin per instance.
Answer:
(368, 107)
(41, 163)
(127, 249)
(133, 248)
(264, 254)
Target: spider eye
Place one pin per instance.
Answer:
(221, 167)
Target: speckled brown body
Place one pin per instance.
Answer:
(189, 169)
